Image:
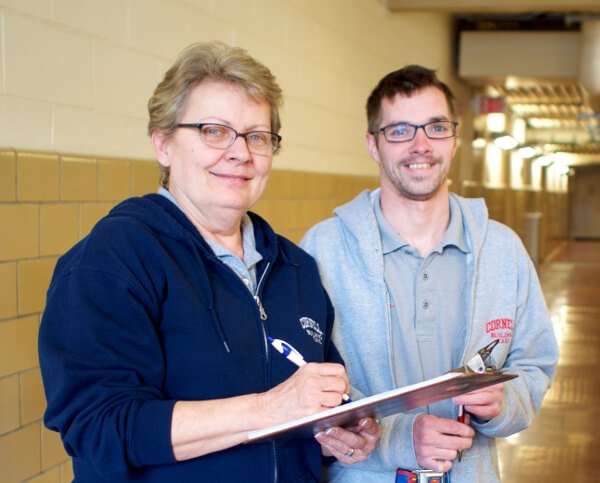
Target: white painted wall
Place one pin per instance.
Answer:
(75, 75)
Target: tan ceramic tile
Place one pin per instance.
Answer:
(33, 400)
(66, 472)
(360, 183)
(9, 404)
(344, 186)
(18, 345)
(320, 186)
(37, 176)
(90, 214)
(263, 208)
(59, 227)
(113, 179)
(33, 279)
(328, 185)
(8, 289)
(299, 185)
(8, 175)
(20, 452)
(53, 451)
(341, 186)
(294, 235)
(310, 212)
(144, 177)
(22, 240)
(284, 214)
(50, 476)
(279, 185)
(78, 180)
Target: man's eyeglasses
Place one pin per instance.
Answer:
(404, 131)
(221, 137)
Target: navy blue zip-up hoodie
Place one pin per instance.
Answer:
(141, 313)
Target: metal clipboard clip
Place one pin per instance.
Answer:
(480, 363)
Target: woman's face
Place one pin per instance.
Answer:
(210, 182)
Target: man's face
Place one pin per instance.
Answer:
(415, 169)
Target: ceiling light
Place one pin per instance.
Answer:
(527, 152)
(543, 161)
(496, 122)
(478, 143)
(561, 168)
(506, 142)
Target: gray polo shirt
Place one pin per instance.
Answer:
(428, 300)
(246, 268)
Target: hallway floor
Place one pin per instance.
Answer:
(562, 443)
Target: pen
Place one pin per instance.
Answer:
(478, 365)
(461, 419)
(294, 356)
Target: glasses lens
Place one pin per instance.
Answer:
(439, 129)
(217, 136)
(261, 142)
(399, 132)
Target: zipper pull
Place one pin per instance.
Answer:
(261, 309)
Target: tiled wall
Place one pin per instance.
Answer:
(49, 201)
(75, 75)
(516, 208)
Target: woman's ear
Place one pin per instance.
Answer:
(160, 144)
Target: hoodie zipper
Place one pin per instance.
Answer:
(263, 316)
(262, 311)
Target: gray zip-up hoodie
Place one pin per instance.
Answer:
(505, 301)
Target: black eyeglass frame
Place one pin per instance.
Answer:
(200, 125)
(417, 126)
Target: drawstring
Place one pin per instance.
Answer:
(211, 301)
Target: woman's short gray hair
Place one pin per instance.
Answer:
(213, 60)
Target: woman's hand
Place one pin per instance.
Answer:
(203, 427)
(350, 445)
(312, 388)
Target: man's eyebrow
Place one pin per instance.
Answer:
(431, 119)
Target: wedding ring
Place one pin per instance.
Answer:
(349, 453)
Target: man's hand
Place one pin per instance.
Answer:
(484, 404)
(350, 445)
(437, 441)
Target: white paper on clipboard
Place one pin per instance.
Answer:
(384, 404)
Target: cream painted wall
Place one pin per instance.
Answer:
(75, 75)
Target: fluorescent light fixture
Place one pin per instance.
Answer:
(496, 122)
(506, 142)
(527, 152)
(563, 158)
(478, 143)
(561, 168)
(519, 129)
(543, 161)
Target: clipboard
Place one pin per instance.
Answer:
(384, 404)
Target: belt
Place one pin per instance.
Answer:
(421, 476)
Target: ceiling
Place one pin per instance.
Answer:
(559, 114)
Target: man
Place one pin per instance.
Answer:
(421, 279)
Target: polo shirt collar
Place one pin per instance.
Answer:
(391, 241)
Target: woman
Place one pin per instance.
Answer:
(153, 344)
